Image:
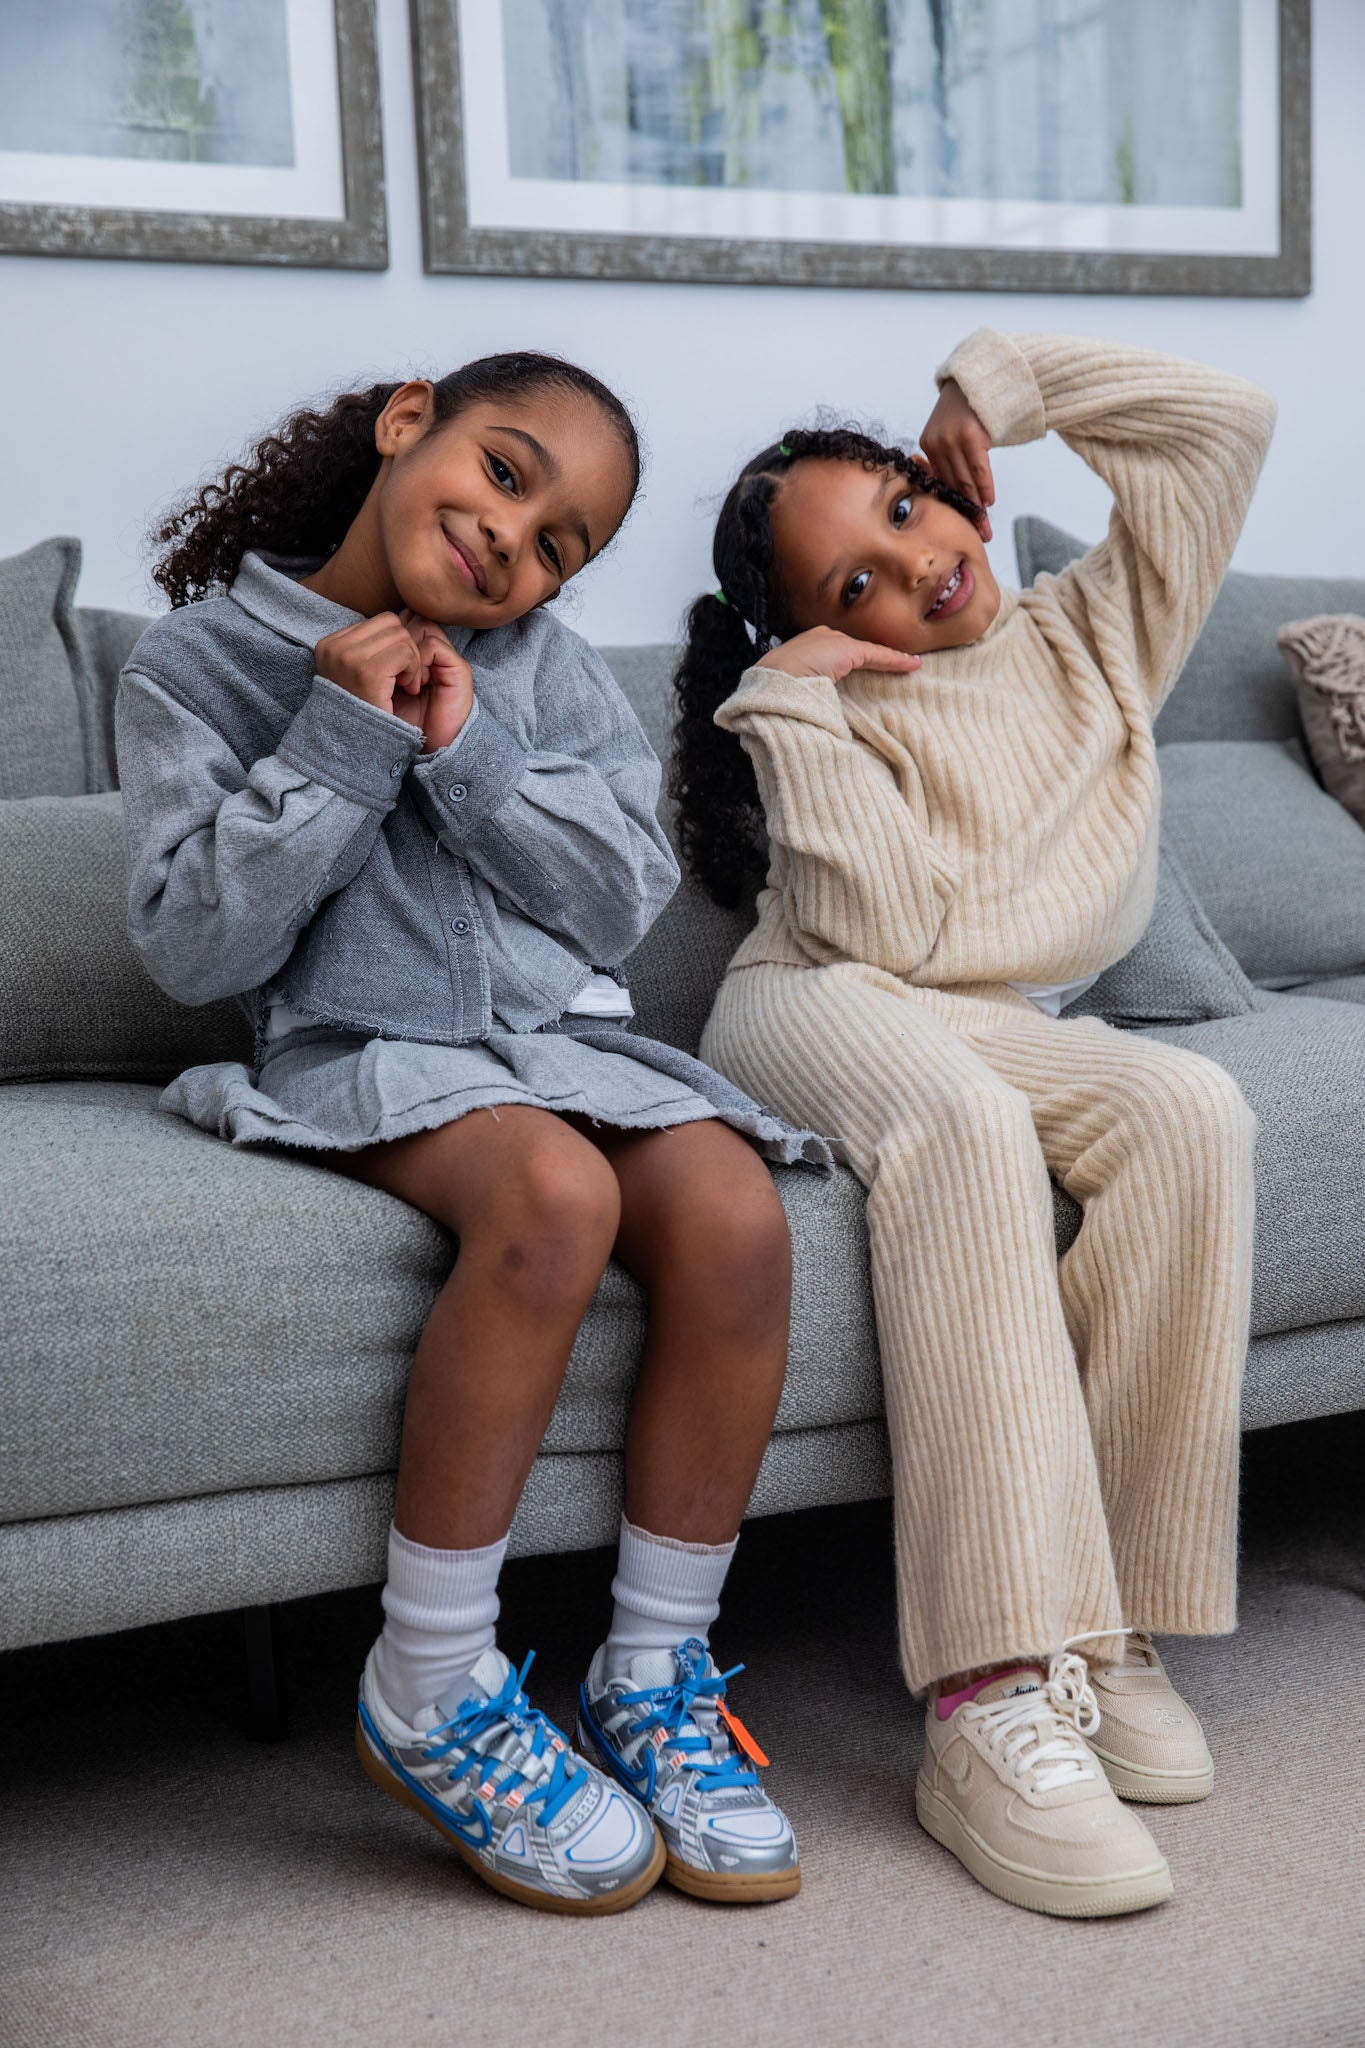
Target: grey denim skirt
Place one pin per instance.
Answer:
(330, 1090)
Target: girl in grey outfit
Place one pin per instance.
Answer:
(418, 853)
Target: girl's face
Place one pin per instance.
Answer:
(864, 552)
(487, 516)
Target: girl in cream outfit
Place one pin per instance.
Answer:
(960, 791)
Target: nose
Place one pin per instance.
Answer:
(504, 528)
(919, 564)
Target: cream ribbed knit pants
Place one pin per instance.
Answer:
(1064, 1434)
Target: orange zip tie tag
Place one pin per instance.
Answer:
(741, 1735)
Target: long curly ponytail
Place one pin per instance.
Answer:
(302, 486)
(711, 779)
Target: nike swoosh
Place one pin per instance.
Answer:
(959, 1772)
(477, 1831)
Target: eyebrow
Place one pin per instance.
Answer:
(553, 471)
(873, 502)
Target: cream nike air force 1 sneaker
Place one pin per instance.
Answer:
(1010, 1787)
(1150, 1743)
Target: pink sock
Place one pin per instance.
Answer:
(947, 1701)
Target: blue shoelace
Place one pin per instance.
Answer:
(671, 1706)
(510, 1708)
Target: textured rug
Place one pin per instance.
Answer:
(168, 1883)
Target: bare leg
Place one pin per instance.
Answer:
(536, 1210)
(704, 1232)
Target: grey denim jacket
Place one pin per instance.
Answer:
(289, 840)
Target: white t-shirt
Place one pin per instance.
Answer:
(1052, 997)
(602, 997)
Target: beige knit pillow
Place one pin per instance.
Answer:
(1327, 658)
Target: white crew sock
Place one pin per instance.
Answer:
(439, 1611)
(664, 1591)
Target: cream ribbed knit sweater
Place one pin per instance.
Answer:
(1064, 1436)
(992, 816)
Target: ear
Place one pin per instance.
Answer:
(406, 417)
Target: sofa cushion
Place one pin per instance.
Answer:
(1327, 660)
(1278, 865)
(242, 1316)
(1234, 684)
(1300, 1062)
(1178, 972)
(1350, 988)
(74, 997)
(646, 678)
(106, 640)
(45, 751)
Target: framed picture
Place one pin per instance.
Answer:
(199, 131)
(1005, 145)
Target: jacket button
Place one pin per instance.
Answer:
(458, 792)
(459, 924)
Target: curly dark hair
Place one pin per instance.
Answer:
(303, 485)
(711, 778)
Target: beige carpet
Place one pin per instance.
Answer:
(166, 1883)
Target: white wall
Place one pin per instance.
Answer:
(123, 383)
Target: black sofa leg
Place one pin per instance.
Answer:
(265, 1705)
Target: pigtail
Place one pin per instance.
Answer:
(711, 778)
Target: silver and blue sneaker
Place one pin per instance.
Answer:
(510, 1796)
(667, 1735)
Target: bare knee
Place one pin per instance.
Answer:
(729, 1257)
(550, 1229)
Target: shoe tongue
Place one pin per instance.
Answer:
(487, 1678)
(666, 1667)
(1008, 1684)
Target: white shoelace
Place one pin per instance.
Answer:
(1037, 1734)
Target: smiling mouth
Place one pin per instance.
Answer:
(954, 591)
(468, 563)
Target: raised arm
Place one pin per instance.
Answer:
(226, 865)
(857, 872)
(565, 829)
(1180, 445)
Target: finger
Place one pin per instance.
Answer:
(985, 482)
(869, 654)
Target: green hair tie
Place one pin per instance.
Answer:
(723, 598)
(783, 449)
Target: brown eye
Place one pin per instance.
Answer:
(900, 511)
(856, 585)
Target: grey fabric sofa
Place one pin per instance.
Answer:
(204, 1350)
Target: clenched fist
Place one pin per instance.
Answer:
(403, 664)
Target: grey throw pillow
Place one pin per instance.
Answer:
(1327, 659)
(1234, 685)
(1277, 864)
(45, 751)
(75, 1000)
(1179, 972)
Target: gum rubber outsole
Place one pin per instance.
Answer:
(1038, 1890)
(1154, 1788)
(758, 1888)
(755, 1889)
(387, 1780)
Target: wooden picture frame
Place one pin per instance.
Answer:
(357, 238)
(457, 241)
